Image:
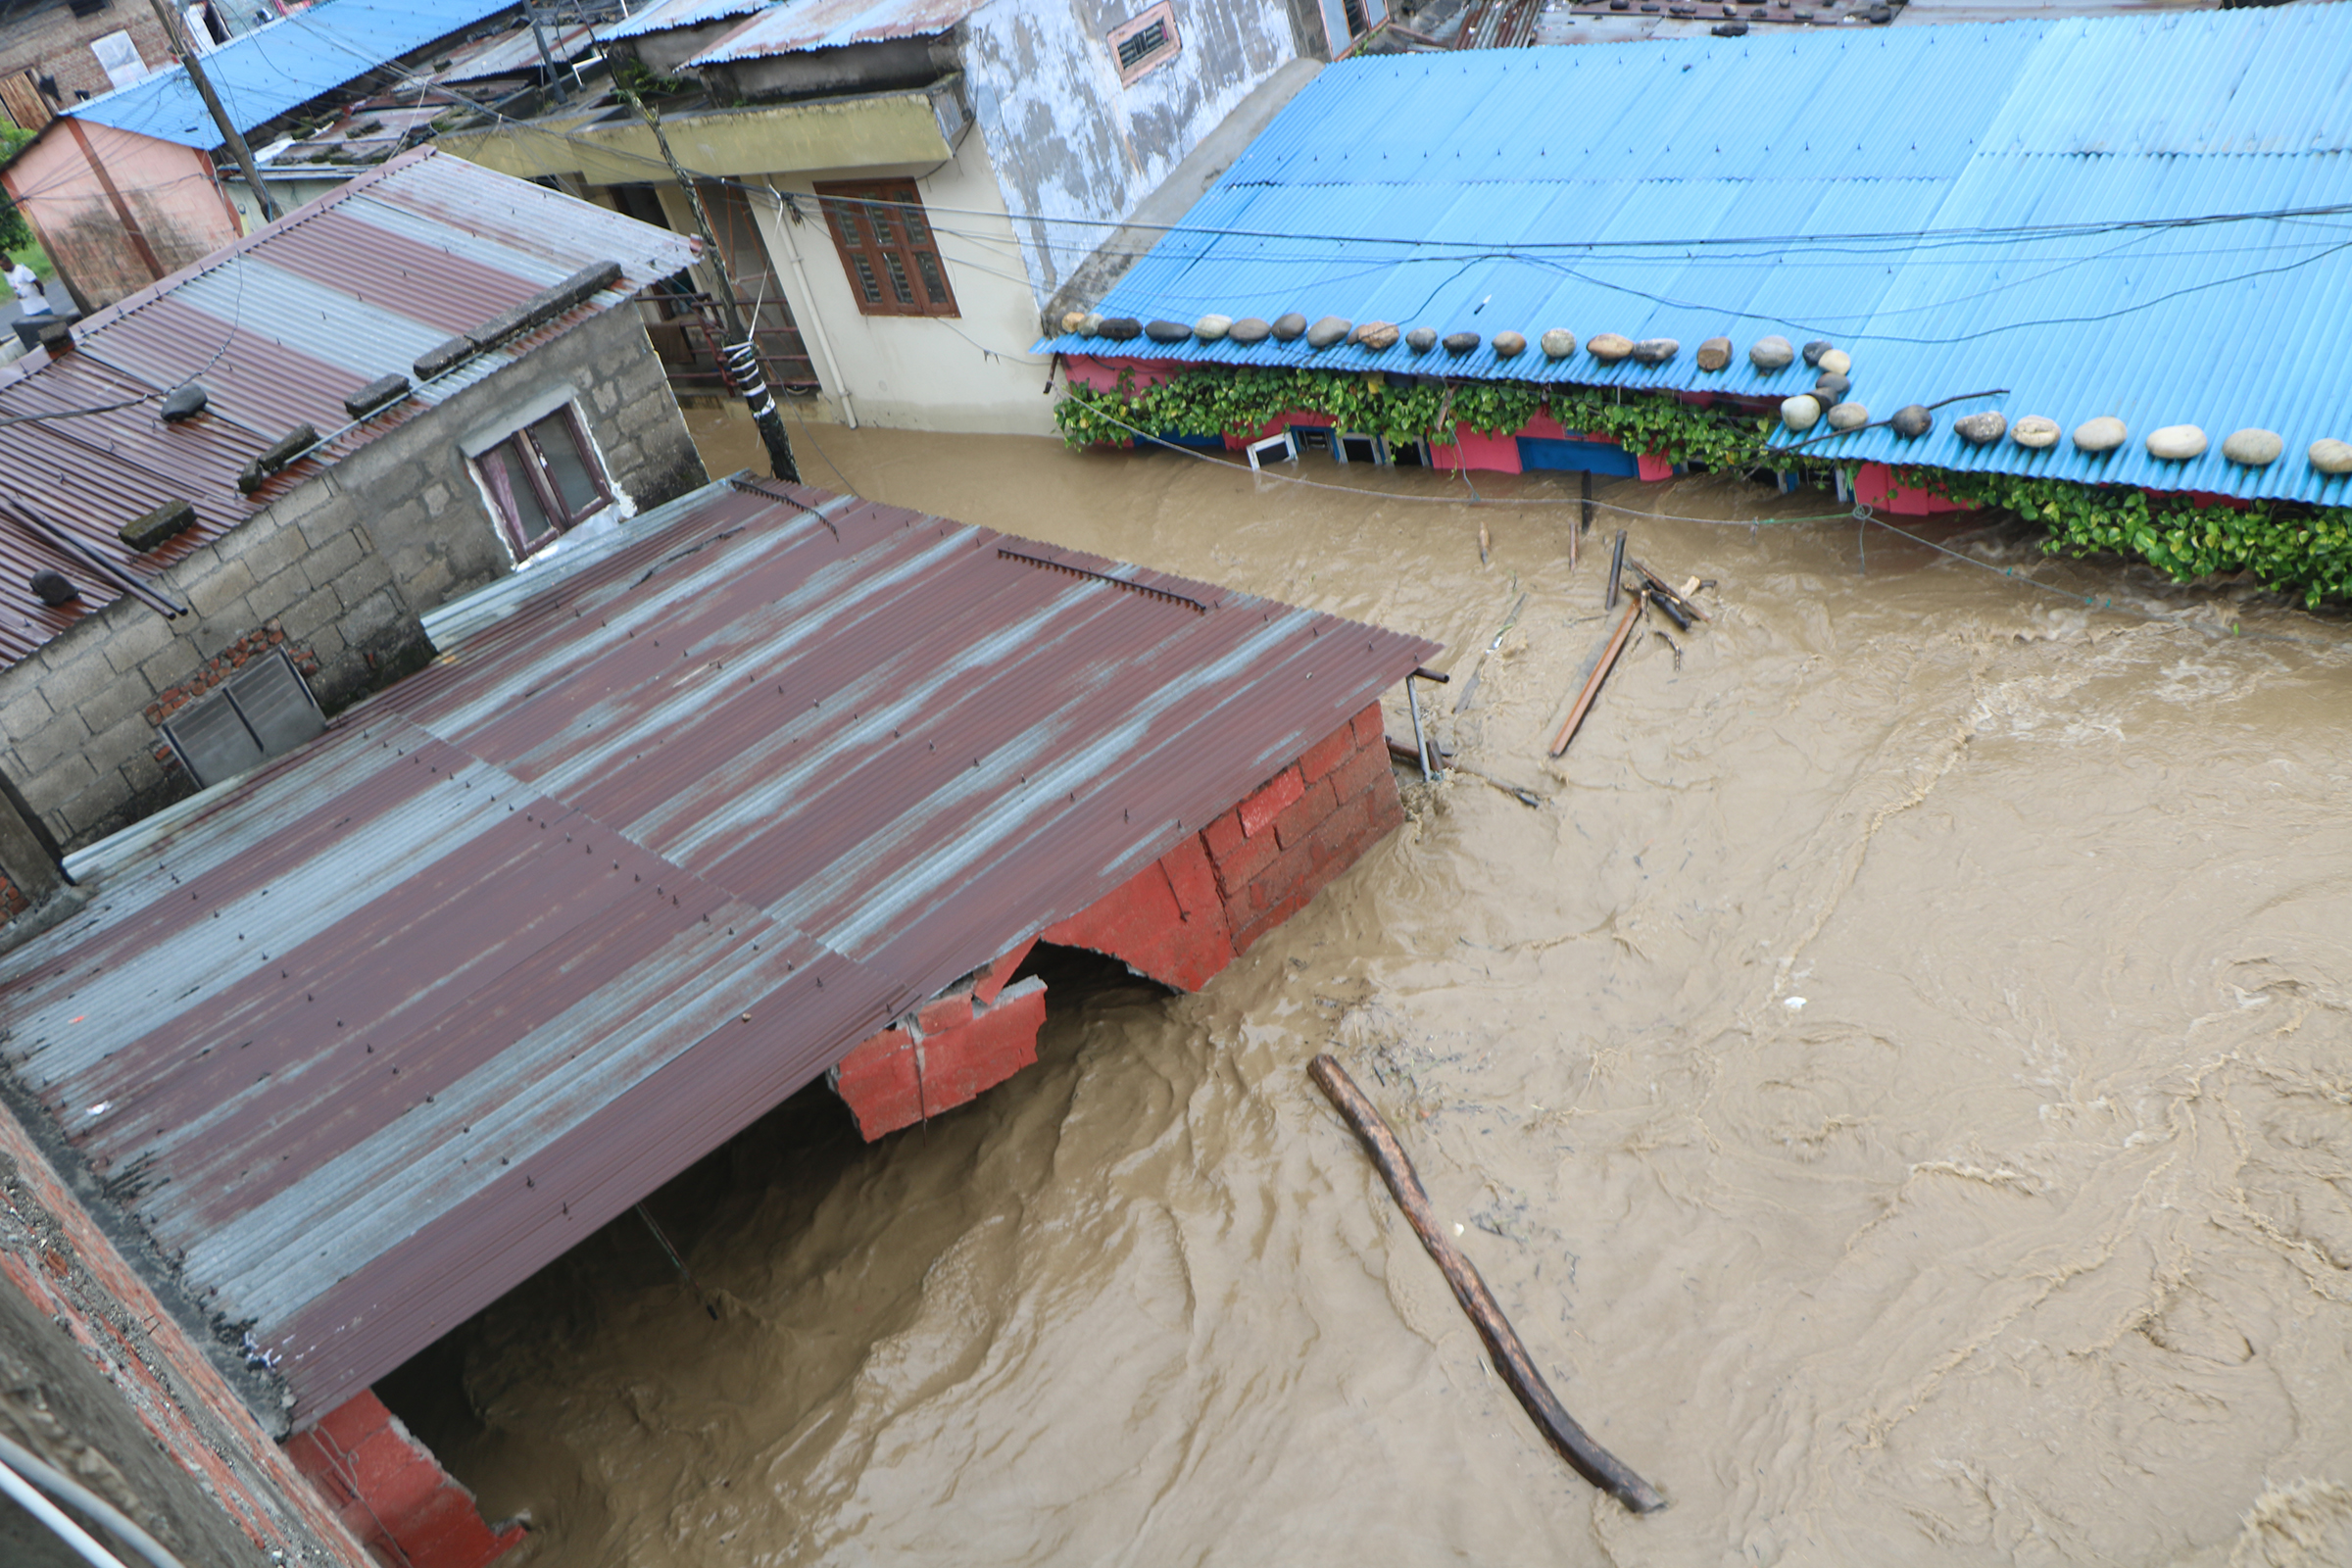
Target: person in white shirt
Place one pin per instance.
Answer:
(30, 294)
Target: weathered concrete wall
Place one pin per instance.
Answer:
(338, 570)
(98, 1379)
(974, 372)
(859, 67)
(179, 213)
(52, 41)
(1070, 142)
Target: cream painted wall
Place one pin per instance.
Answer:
(972, 373)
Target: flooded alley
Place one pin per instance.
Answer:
(1895, 1080)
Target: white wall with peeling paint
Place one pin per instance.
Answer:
(1074, 149)
(972, 371)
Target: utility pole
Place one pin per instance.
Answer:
(212, 101)
(555, 74)
(741, 352)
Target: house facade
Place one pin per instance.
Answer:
(905, 189)
(57, 53)
(411, 388)
(127, 188)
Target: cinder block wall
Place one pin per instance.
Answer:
(337, 571)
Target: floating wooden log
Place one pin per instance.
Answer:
(1571, 1440)
(1681, 597)
(1600, 672)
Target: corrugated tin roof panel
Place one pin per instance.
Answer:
(279, 327)
(832, 23)
(261, 74)
(370, 1037)
(2093, 213)
(670, 14)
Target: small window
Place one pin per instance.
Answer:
(887, 247)
(544, 478)
(263, 711)
(90, 8)
(1145, 43)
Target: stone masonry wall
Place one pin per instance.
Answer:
(341, 566)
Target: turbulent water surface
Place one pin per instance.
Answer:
(1897, 1081)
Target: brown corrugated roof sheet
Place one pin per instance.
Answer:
(366, 1039)
(280, 328)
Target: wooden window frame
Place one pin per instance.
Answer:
(874, 227)
(534, 469)
(1164, 15)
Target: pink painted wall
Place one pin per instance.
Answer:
(61, 184)
(1874, 486)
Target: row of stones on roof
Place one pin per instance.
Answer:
(1768, 354)
(2250, 447)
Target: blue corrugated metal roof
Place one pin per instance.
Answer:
(283, 66)
(1961, 208)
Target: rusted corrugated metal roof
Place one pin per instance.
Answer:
(831, 24)
(367, 1038)
(280, 328)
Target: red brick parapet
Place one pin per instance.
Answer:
(391, 1492)
(1180, 920)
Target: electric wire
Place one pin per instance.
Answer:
(58, 1483)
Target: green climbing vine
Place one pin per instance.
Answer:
(2289, 546)
(1244, 399)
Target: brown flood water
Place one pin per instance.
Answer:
(1898, 1082)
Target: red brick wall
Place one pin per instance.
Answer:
(392, 1492)
(55, 42)
(1192, 911)
(1297, 832)
(13, 901)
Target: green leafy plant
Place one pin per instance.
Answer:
(1243, 400)
(15, 233)
(2289, 546)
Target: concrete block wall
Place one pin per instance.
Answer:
(338, 567)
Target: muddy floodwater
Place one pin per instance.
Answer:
(1899, 1079)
